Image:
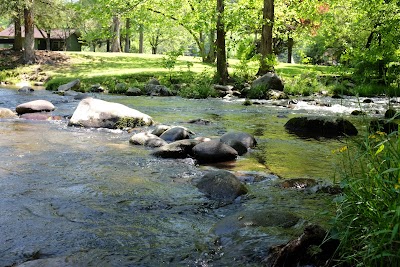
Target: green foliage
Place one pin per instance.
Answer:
(368, 213)
(200, 87)
(304, 84)
(170, 61)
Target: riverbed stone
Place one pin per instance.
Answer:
(298, 183)
(73, 85)
(221, 185)
(147, 139)
(6, 113)
(98, 113)
(315, 127)
(268, 81)
(177, 149)
(175, 133)
(157, 90)
(160, 129)
(133, 91)
(35, 106)
(240, 141)
(26, 89)
(214, 151)
(383, 126)
(255, 218)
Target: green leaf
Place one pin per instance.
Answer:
(380, 149)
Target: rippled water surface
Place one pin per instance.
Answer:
(88, 197)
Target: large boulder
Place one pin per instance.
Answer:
(268, 81)
(35, 106)
(221, 185)
(315, 127)
(240, 141)
(98, 113)
(178, 149)
(147, 139)
(175, 133)
(214, 151)
(73, 85)
(6, 113)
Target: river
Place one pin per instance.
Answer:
(88, 197)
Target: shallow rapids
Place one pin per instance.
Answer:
(88, 197)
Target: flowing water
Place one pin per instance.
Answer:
(88, 197)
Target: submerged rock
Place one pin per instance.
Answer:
(6, 113)
(221, 185)
(98, 113)
(147, 139)
(26, 89)
(320, 127)
(35, 106)
(298, 183)
(214, 151)
(255, 218)
(299, 252)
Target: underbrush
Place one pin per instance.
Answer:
(368, 212)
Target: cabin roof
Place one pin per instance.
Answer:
(9, 33)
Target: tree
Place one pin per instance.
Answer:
(222, 69)
(29, 46)
(266, 47)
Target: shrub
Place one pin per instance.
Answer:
(368, 214)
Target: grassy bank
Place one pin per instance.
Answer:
(109, 69)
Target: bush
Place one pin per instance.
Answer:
(304, 84)
(368, 213)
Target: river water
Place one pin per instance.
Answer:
(89, 198)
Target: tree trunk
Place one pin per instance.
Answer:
(127, 36)
(266, 48)
(141, 38)
(116, 43)
(222, 68)
(29, 46)
(17, 46)
(290, 49)
(48, 40)
(211, 56)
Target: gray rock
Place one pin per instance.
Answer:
(221, 185)
(35, 106)
(96, 88)
(160, 129)
(178, 149)
(214, 151)
(147, 139)
(269, 81)
(73, 85)
(315, 127)
(6, 113)
(102, 114)
(133, 91)
(246, 139)
(276, 95)
(175, 134)
(26, 89)
(157, 90)
(153, 81)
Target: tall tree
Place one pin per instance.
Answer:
(222, 69)
(29, 46)
(266, 47)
